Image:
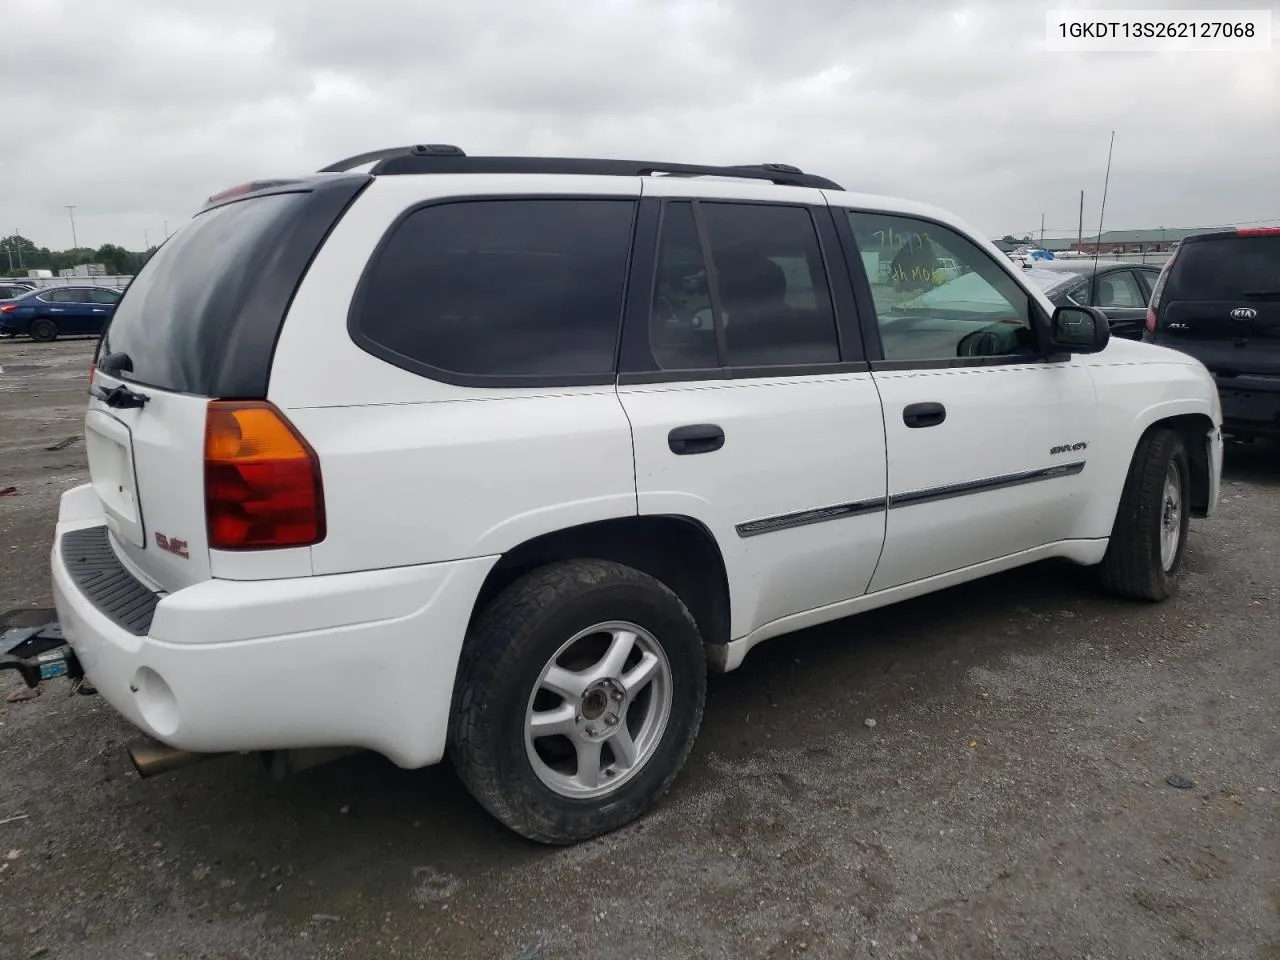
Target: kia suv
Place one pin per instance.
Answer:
(1218, 300)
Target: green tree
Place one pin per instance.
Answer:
(19, 254)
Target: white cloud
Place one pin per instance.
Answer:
(152, 105)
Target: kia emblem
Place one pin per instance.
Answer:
(1243, 313)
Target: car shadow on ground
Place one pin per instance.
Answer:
(1257, 462)
(791, 693)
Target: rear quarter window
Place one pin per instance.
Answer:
(500, 291)
(1229, 268)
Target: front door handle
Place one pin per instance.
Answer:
(695, 438)
(923, 414)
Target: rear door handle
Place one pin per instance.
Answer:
(923, 414)
(695, 438)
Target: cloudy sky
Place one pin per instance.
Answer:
(136, 110)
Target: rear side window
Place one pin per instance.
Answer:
(770, 304)
(504, 290)
(1230, 268)
(177, 315)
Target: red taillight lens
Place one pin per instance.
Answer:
(262, 485)
(93, 369)
(1151, 320)
(8, 308)
(1259, 231)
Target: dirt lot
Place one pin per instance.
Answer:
(1010, 801)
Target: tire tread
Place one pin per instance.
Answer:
(492, 649)
(1131, 566)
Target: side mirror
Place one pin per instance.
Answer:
(1076, 329)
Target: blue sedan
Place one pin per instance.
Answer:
(52, 312)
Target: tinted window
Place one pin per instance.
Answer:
(682, 327)
(923, 312)
(774, 304)
(103, 296)
(175, 319)
(62, 296)
(501, 288)
(1225, 269)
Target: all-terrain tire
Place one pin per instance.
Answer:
(1133, 566)
(506, 650)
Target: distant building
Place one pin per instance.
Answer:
(1114, 242)
(85, 270)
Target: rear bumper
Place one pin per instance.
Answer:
(1250, 404)
(351, 660)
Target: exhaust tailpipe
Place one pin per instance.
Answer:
(152, 758)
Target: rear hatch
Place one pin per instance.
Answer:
(1219, 301)
(198, 323)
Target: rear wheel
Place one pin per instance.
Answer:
(43, 330)
(1150, 532)
(579, 696)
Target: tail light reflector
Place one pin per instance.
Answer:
(262, 484)
(1259, 231)
(1151, 320)
(8, 308)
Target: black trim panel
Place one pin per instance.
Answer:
(753, 528)
(931, 494)
(114, 591)
(801, 518)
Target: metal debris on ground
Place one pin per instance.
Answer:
(15, 818)
(62, 444)
(1182, 783)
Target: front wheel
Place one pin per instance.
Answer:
(579, 696)
(1150, 532)
(43, 330)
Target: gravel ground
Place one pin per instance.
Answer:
(1010, 800)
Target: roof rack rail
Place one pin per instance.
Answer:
(417, 149)
(445, 158)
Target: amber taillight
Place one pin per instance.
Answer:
(262, 485)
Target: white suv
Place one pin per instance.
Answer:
(495, 457)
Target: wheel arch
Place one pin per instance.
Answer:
(679, 551)
(1193, 420)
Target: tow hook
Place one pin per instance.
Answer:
(41, 653)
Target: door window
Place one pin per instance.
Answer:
(1120, 290)
(103, 296)
(766, 302)
(925, 312)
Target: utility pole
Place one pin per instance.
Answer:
(166, 229)
(71, 212)
(1042, 231)
(9, 249)
(146, 240)
(18, 238)
(1080, 230)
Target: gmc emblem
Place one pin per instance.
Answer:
(174, 546)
